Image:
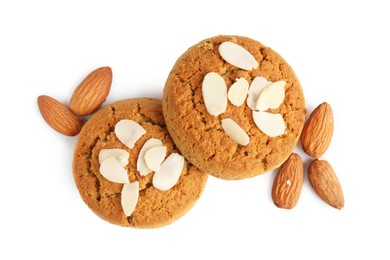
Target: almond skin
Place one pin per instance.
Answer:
(58, 116)
(318, 131)
(324, 181)
(91, 92)
(288, 183)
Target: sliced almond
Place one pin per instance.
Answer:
(111, 169)
(257, 85)
(122, 156)
(270, 124)
(169, 173)
(238, 92)
(141, 164)
(237, 56)
(235, 132)
(129, 197)
(128, 132)
(155, 156)
(214, 93)
(271, 96)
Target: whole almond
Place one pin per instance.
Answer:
(91, 92)
(288, 183)
(58, 116)
(318, 131)
(324, 181)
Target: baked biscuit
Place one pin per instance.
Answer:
(155, 208)
(200, 136)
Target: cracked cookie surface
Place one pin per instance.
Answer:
(199, 135)
(155, 208)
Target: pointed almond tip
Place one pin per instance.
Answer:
(103, 68)
(40, 100)
(106, 69)
(340, 206)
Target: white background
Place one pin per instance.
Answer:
(338, 49)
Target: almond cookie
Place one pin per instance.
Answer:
(112, 163)
(233, 107)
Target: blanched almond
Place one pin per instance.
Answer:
(238, 92)
(111, 169)
(257, 85)
(270, 124)
(128, 132)
(122, 156)
(155, 156)
(169, 173)
(129, 197)
(237, 56)
(142, 168)
(214, 93)
(272, 96)
(235, 132)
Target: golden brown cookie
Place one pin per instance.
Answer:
(155, 208)
(200, 136)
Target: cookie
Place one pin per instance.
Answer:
(201, 137)
(155, 208)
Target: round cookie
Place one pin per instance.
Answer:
(200, 136)
(155, 208)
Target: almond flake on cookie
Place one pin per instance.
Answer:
(169, 173)
(214, 93)
(237, 56)
(122, 156)
(235, 132)
(257, 85)
(128, 132)
(271, 96)
(270, 124)
(238, 92)
(155, 156)
(129, 197)
(113, 171)
(142, 167)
